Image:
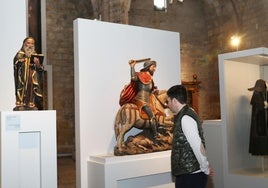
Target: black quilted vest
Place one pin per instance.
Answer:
(183, 160)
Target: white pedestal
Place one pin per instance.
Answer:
(28, 149)
(146, 170)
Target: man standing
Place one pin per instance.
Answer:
(144, 86)
(188, 157)
(27, 70)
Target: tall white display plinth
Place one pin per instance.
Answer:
(146, 170)
(28, 149)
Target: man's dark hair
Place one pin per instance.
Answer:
(178, 92)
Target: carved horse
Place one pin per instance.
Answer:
(128, 116)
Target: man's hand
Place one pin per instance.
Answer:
(211, 171)
(36, 62)
(132, 63)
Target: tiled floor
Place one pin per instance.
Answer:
(66, 172)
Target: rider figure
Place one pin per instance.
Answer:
(145, 87)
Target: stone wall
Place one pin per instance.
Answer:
(187, 18)
(206, 27)
(60, 54)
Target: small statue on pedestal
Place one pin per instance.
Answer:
(28, 71)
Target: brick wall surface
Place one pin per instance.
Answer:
(59, 16)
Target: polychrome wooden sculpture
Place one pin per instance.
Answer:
(143, 107)
(28, 71)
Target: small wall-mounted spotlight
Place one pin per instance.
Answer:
(160, 5)
(235, 41)
(171, 1)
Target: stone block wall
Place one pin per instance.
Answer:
(60, 54)
(187, 18)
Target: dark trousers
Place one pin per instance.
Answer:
(197, 180)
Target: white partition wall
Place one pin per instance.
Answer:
(214, 150)
(28, 149)
(239, 71)
(102, 52)
(13, 31)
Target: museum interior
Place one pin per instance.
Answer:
(207, 28)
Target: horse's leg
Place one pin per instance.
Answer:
(118, 129)
(120, 138)
(125, 125)
(127, 120)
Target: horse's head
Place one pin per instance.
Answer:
(159, 101)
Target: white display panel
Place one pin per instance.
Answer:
(13, 31)
(102, 52)
(30, 159)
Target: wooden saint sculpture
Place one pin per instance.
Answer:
(28, 70)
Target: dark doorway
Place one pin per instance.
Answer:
(34, 22)
(34, 28)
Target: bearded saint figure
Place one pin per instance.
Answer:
(28, 71)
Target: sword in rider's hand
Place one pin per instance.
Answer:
(139, 60)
